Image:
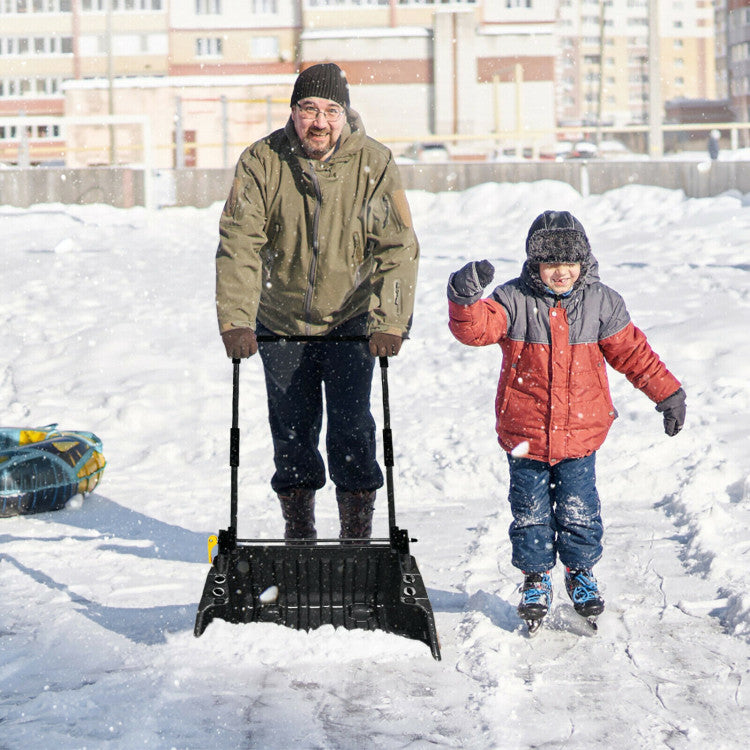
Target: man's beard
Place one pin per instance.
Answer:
(313, 148)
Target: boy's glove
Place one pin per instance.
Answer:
(673, 408)
(465, 286)
(240, 342)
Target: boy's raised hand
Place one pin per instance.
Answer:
(673, 408)
(466, 285)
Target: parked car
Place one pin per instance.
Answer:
(612, 149)
(605, 149)
(427, 152)
(581, 150)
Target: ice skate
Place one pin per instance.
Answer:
(536, 599)
(583, 591)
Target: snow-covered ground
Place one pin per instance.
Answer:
(107, 324)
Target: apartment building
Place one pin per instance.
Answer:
(603, 62)
(233, 37)
(457, 67)
(733, 60)
(418, 66)
(44, 43)
(217, 71)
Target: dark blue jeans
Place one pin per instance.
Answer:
(297, 375)
(556, 513)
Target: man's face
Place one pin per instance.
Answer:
(318, 123)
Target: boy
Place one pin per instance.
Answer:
(557, 324)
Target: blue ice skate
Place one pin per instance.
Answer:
(536, 599)
(584, 592)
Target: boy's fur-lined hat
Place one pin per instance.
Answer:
(324, 81)
(557, 237)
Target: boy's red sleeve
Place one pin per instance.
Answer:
(485, 322)
(629, 352)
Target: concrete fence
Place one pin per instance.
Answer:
(127, 187)
(696, 179)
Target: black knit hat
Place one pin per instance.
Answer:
(557, 237)
(325, 81)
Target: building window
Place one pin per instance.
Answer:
(266, 47)
(208, 47)
(207, 7)
(34, 6)
(10, 132)
(14, 87)
(134, 6)
(330, 3)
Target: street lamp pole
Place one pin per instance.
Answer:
(655, 134)
(110, 85)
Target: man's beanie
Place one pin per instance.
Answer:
(325, 81)
(557, 237)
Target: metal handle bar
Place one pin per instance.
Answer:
(398, 537)
(313, 339)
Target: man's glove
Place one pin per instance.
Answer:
(240, 342)
(673, 408)
(465, 286)
(385, 344)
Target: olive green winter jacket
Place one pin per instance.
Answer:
(306, 245)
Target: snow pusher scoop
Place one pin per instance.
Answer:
(372, 584)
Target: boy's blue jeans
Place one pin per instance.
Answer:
(297, 374)
(556, 513)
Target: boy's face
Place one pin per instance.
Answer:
(559, 277)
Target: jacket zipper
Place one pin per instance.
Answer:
(315, 248)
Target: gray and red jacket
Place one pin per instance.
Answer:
(553, 390)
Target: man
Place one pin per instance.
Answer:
(316, 239)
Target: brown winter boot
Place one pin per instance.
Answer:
(355, 513)
(298, 509)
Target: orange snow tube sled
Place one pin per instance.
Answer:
(42, 468)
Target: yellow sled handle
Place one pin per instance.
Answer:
(213, 541)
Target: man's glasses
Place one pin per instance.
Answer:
(309, 112)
